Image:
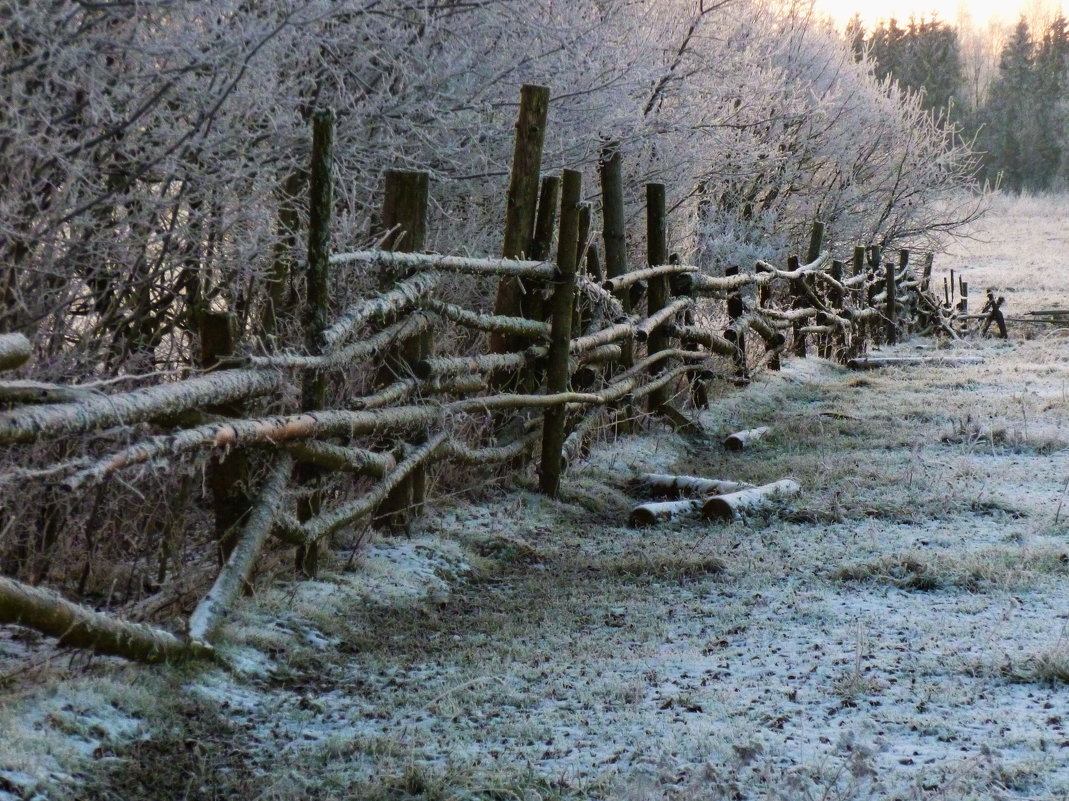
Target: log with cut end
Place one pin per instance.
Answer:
(210, 613)
(732, 505)
(649, 514)
(15, 351)
(743, 439)
(677, 486)
(876, 362)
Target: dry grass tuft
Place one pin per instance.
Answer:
(1049, 666)
(671, 567)
(1006, 568)
(506, 550)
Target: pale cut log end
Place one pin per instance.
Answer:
(15, 350)
(741, 439)
(641, 517)
(718, 509)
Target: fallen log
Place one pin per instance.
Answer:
(342, 458)
(606, 336)
(403, 296)
(75, 626)
(16, 392)
(344, 358)
(646, 327)
(703, 336)
(436, 367)
(741, 439)
(876, 362)
(543, 270)
(676, 486)
(621, 282)
(649, 514)
(140, 405)
(734, 504)
(15, 351)
(212, 610)
(327, 523)
(515, 326)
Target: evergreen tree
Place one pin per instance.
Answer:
(1010, 134)
(1051, 60)
(923, 57)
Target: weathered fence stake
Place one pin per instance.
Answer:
(561, 308)
(798, 301)
(890, 287)
(227, 473)
(314, 319)
(737, 337)
(657, 293)
(613, 224)
(404, 212)
(520, 207)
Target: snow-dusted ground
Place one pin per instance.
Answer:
(897, 632)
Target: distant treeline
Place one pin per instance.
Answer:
(1016, 114)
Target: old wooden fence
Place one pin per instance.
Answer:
(573, 344)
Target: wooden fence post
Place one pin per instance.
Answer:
(314, 318)
(657, 291)
(859, 260)
(963, 288)
(890, 313)
(798, 301)
(736, 337)
(520, 208)
(764, 298)
(561, 308)
(228, 474)
(613, 230)
(875, 260)
(908, 318)
(836, 345)
(404, 214)
(858, 330)
(548, 197)
(816, 242)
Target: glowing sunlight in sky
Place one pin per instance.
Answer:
(979, 11)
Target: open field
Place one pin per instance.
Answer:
(900, 631)
(1017, 251)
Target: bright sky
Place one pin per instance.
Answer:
(981, 11)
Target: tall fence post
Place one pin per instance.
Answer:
(816, 242)
(890, 302)
(836, 341)
(613, 229)
(521, 204)
(548, 197)
(227, 474)
(314, 318)
(875, 260)
(561, 309)
(657, 289)
(764, 298)
(404, 216)
(798, 299)
(734, 335)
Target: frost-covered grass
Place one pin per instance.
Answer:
(1017, 249)
(897, 632)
